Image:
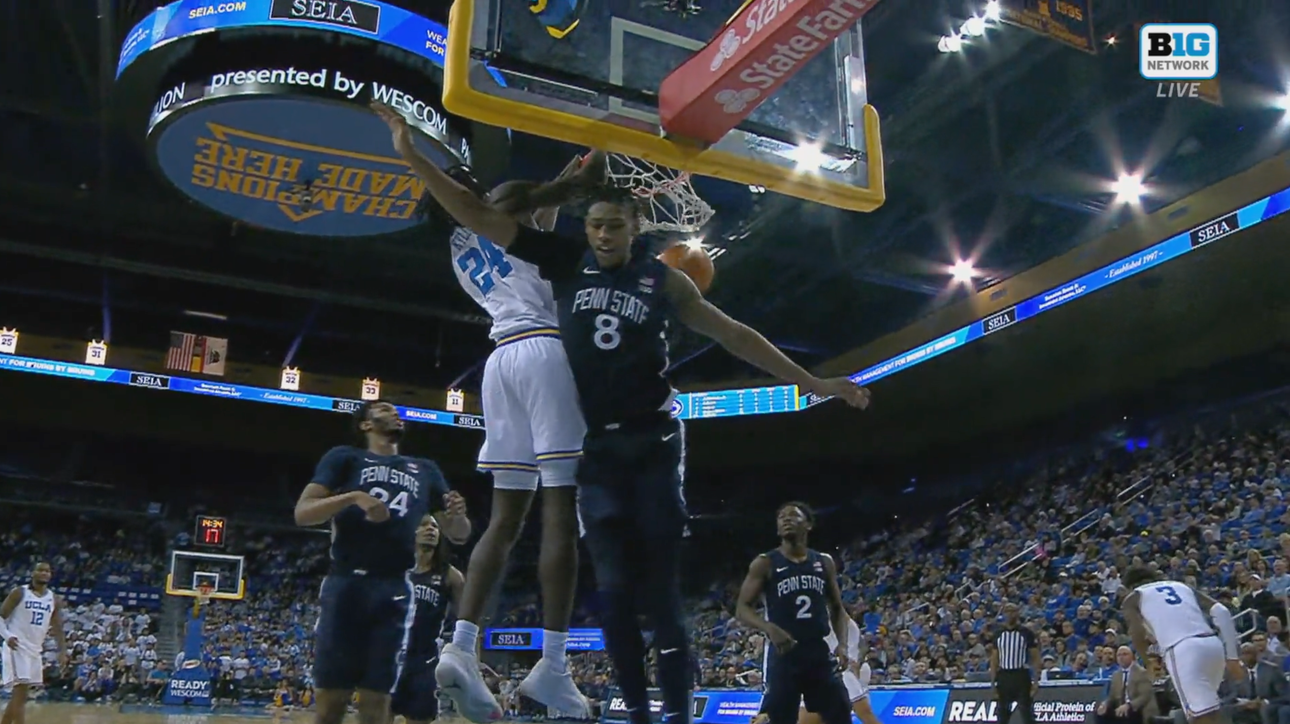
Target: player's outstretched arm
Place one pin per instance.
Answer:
(749, 345)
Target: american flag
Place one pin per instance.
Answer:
(180, 355)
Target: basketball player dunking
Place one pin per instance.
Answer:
(27, 616)
(1195, 634)
(533, 430)
(803, 609)
(615, 301)
(435, 584)
(376, 500)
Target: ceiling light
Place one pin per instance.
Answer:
(1282, 101)
(206, 315)
(694, 243)
(962, 271)
(950, 44)
(975, 27)
(1111, 40)
(809, 157)
(1129, 187)
(992, 10)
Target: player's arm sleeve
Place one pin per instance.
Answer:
(556, 256)
(739, 339)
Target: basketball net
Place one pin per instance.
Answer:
(203, 597)
(673, 205)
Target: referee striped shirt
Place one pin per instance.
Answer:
(1013, 645)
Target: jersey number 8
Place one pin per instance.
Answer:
(482, 262)
(607, 335)
(398, 504)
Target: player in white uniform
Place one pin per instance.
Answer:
(26, 617)
(533, 431)
(1182, 623)
(856, 678)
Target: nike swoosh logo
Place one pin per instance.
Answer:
(399, 598)
(589, 270)
(668, 437)
(781, 570)
(668, 651)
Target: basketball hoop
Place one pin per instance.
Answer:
(673, 204)
(204, 592)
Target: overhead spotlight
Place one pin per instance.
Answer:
(962, 271)
(950, 44)
(1282, 101)
(992, 11)
(974, 27)
(1112, 40)
(809, 156)
(1128, 188)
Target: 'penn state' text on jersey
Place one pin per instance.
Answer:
(613, 323)
(430, 595)
(409, 487)
(797, 597)
(511, 290)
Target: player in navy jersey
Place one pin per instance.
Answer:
(615, 301)
(435, 585)
(375, 499)
(803, 607)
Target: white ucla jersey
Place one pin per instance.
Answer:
(1172, 613)
(853, 639)
(30, 621)
(511, 290)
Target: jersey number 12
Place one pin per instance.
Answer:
(480, 263)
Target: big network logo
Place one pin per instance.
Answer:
(1178, 51)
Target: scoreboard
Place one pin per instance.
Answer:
(210, 531)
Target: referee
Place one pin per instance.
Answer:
(1014, 663)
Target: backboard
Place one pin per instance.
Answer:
(598, 84)
(190, 570)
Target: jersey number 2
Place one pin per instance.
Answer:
(1171, 596)
(398, 504)
(480, 266)
(803, 606)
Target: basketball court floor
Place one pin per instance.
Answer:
(111, 714)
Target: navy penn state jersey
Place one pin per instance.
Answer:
(410, 487)
(797, 596)
(430, 594)
(613, 323)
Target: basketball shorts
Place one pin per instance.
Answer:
(416, 696)
(1197, 667)
(857, 685)
(20, 667)
(805, 677)
(361, 632)
(532, 419)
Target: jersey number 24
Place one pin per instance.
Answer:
(481, 263)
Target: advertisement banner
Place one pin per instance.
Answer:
(1070, 704)
(735, 706)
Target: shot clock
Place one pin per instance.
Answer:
(210, 531)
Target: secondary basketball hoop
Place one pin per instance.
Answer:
(672, 203)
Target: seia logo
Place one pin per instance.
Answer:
(1178, 51)
(345, 13)
(330, 177)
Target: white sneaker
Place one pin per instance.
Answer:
(458, 676)
(554, 688)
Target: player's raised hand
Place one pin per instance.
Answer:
(592, 170)
(843, 389)
(373, 508)
(454, 504)
(399, 130)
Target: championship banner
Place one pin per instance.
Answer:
(1069, 22)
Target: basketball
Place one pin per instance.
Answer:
(695, 262)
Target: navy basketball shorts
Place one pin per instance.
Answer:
(630, 494)
(361, 632)
(805, 676)
(416, 696)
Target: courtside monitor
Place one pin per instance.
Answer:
(762, 93)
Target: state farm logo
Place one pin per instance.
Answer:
(733, 101)
(729, 44)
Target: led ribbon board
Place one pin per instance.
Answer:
(741, 401)
(259, 109)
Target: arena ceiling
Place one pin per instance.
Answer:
(1002, 154)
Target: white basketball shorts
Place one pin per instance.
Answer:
(20, 667)
(1197, 667)
(857, 686)
(532, 419)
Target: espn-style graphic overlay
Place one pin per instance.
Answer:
(258, 109)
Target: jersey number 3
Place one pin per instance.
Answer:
(480, 266)
(398, 504)
(1171, 596)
